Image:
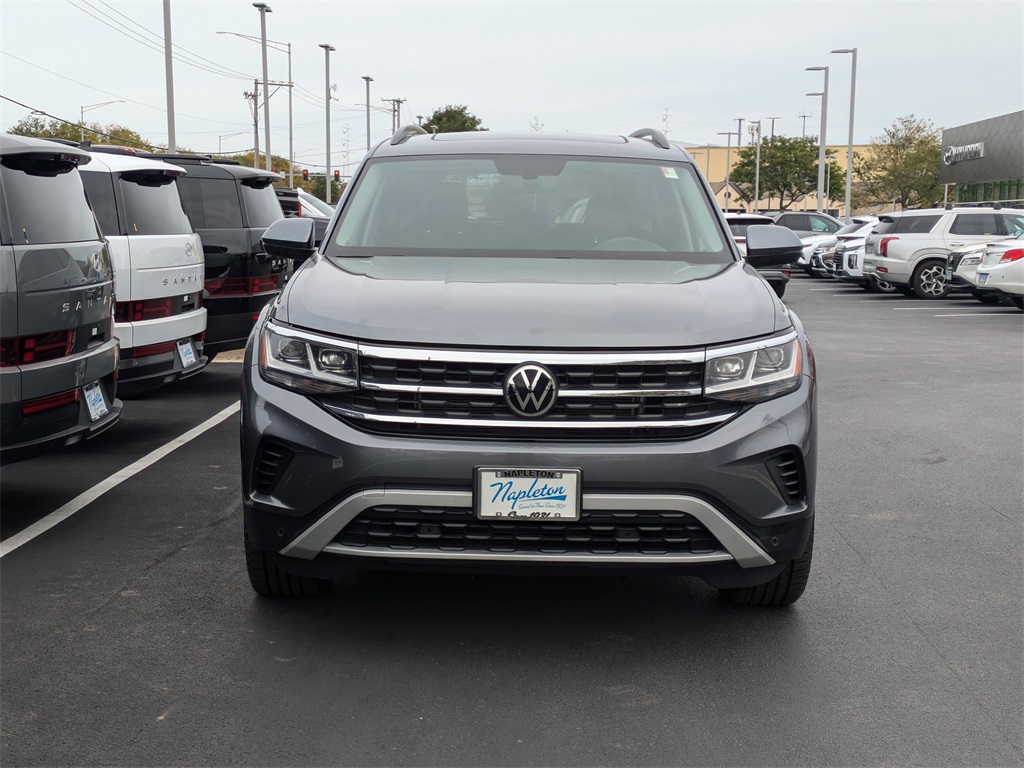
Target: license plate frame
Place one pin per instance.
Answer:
(186, 353)
(528, 493)
(982, 278)
(95, 401)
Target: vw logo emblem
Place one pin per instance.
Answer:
(531, 390)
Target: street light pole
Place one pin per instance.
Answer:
(773, 119)
(86, 108)
(849, 142)
(327, 100)
(264, 9)
(728, 165)
(368, 80)
(755, 135)
(821, 138)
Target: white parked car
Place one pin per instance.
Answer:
(962, 272)
(1001, 272)
(909, 248)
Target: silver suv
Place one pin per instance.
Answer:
(515, 352)
(908, 249)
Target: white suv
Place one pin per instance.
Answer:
(909, 248)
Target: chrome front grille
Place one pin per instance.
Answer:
(451, 393)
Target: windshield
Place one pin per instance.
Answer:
(855, 227)
(530, 205)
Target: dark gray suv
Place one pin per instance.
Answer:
(518, 351)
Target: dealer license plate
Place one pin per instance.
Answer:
(95, 401)
(982, 278)
(516, 493)
(187, 354)
(949, 275)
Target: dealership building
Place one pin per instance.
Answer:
(983, 162)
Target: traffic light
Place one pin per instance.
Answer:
(305, 175)
(337, 175)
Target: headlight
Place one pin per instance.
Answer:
(753, 375)
(822, 248)
(307, 363)
(968, 260)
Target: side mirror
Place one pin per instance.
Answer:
(769, 245)
(290, 239)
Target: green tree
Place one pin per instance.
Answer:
(36, 126)
(316, 187)
(902, 166)
(789, 170)
(451, 119)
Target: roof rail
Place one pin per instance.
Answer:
(657, 137)
(405, 132)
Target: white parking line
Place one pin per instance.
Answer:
(978, 314)
(83, 499)
(911, 309)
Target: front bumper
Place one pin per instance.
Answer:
(332, 472)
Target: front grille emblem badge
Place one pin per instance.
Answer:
(531, 390)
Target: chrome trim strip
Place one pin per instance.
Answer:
(317, 538)
(529, 356)
(751, 346)
(536, 557)
(315, 338)
(435, 389)
(528, 423)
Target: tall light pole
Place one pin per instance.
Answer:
(849, 142)
(821, 138)
(327, 100)
(169, 76)
(755, 135)
(728, 165)
(87, 107)
(287, 48)
(264, 9)
(368, 80)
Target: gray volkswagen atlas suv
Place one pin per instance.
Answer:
(515, 351)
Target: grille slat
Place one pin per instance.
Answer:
(458, 530)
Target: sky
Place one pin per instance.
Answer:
(584, 67)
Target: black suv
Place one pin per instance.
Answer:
(513, 352)
(230, 205)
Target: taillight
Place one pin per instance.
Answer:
(228, 286)
(1014, 255)
(883, 246)
(151, 309)
(22, 350)
(49, 402)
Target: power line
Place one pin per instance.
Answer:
(69, 122)
(159, 37)
(110, 93)
(132, 35)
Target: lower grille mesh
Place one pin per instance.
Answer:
(459, 530)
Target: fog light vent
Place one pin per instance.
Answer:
(272, 460)
(787, 470)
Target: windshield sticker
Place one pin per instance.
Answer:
(670, 173)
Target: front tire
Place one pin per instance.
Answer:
(269, 580)
(929, 281)
(784, 589)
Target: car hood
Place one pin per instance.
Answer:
(538, 303)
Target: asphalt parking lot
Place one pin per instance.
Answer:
(129, 634)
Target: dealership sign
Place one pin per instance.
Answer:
(963, 152)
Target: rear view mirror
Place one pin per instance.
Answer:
(769, 245)
(290, 239)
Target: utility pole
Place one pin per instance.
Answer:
(255, 107)
(739, 132)
(169, 76)
(804, 116)
(398, 113)
(264, 9)
(419, 119)
(665, 118)
(773, 119)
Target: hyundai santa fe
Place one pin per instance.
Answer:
(512, 352)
